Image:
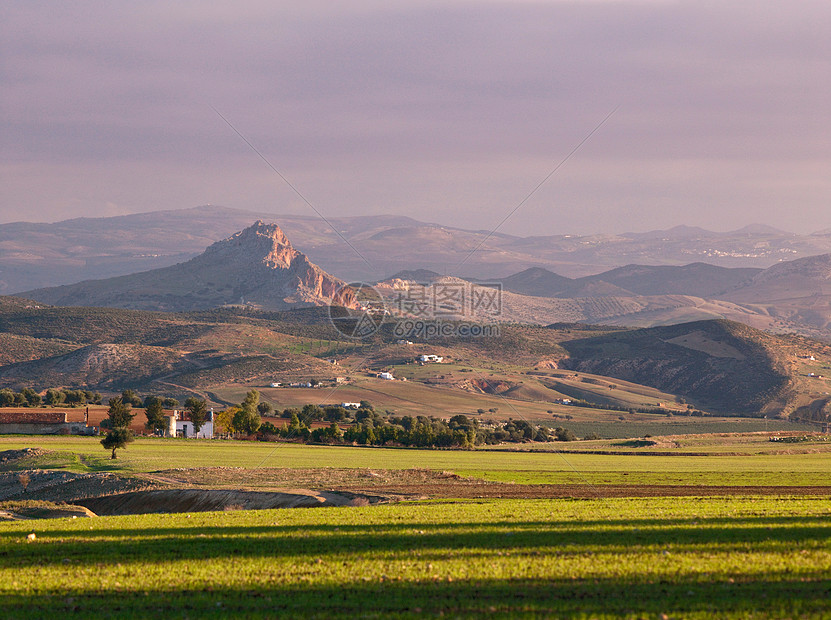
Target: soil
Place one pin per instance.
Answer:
(228, 488)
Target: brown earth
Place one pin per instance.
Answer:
(228, 488)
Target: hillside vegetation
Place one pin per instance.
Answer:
(719, 366)
(723, 364)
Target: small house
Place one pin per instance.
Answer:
(180, 425)
(438, 359)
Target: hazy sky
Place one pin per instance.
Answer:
(449, 111)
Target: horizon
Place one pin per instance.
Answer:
(275, 217)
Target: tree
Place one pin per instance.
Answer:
(247, 420)
(198, 412)
(54, 397)
(131, 398)
(117, 438)
(264, 409)
(225, 419)
(32, 398)
(564, 434)
(154, 411)
(251, 400)
(119, 413)
(6, 397)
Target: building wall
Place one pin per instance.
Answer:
(65, 428)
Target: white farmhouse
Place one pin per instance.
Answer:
(386, 375)
(438, 359)
(179, 425)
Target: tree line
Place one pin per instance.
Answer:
(369, 427)
(54, 397)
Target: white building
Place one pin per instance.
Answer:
(179, 425)
(431, 358)
(386, 375)
(351, 405)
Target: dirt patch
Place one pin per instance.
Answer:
(67, 487)
(25, 510)
(278, 478)
(205, 500)
(495, 490)
(8, 457)
(424, 483)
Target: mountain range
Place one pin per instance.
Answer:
(258, 267)
(39, 255)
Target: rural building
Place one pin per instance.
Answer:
(386, 375)
(351, 405)
(179, 425)
(438, 359)
(27, 422)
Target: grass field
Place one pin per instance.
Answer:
(634, 558)
(802, 467)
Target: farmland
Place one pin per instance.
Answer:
(698, 557)
(687, 526)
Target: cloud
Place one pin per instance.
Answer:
(446, 108)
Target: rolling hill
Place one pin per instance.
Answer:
(718, 365)
(722, 364)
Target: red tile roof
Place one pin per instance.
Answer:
(32, 417)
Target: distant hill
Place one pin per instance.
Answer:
(416, 275)
(695, 279)
(39, 255)
(718, 365)
(536, 282)
(257, 266)
(800, 278)
(725, 365)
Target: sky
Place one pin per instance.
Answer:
(639, 115)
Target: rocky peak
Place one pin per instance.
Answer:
(259, 243)
(257, 266)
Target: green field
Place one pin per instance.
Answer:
(634, 558)
(145, 455)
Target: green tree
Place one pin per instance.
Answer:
(564, 434)
(131, 398)
(119, 413)
(54, 397)
(247, 419)
(32, 398)
(117, 438)
(6, 397)
(198, 410)
(154, 411)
